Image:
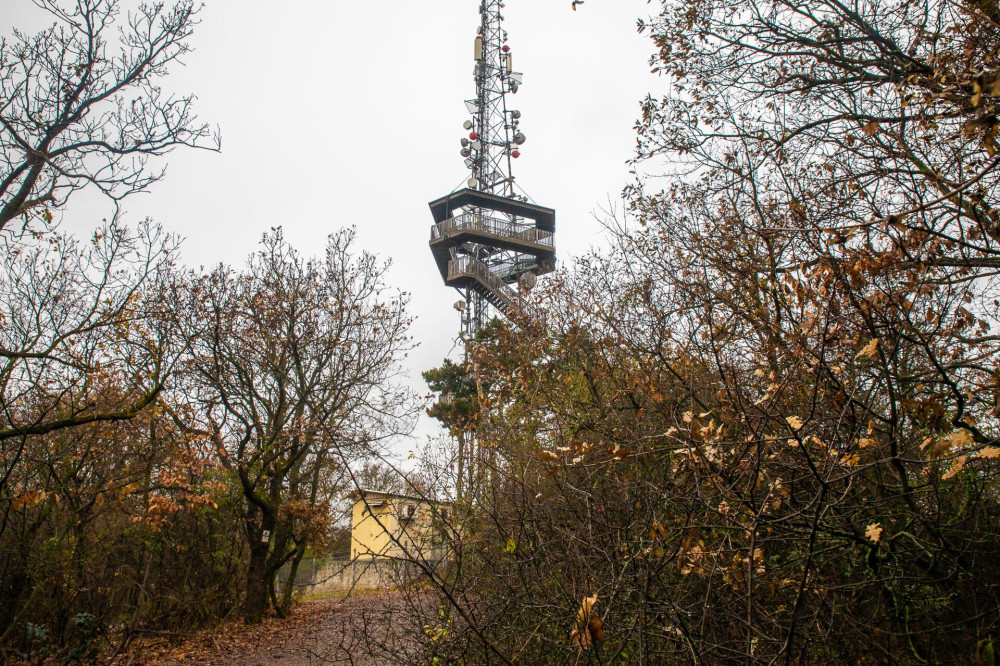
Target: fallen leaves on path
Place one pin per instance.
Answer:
(319, 632)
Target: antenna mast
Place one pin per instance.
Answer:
(485, 237)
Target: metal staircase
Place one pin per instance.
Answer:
(470, 273)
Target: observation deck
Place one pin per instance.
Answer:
(484, 243)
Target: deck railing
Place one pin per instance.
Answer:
(491, 225)
(480, 271)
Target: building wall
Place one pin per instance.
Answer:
(375, 530)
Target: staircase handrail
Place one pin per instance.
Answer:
(472, 266)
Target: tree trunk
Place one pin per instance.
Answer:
(258, 572)
(258, 584)
(286, 594)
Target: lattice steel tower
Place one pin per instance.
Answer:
(489, 242)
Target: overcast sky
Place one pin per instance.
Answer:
(341, 112)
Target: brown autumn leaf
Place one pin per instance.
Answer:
(871, 128)
(874, 532)
(795, 422)
(956, 467)
(851, 460)
(581, 634)
(956, 439)
(990, 452)
(869, 350)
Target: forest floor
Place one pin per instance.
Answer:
(358, 630)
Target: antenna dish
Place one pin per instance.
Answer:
(467, 124)
(466, 152)
(473, 183)
(477, 144)
(461, 306)
(527, 281)
(515, 114)
(519, 139)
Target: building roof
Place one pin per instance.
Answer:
(441, 209)
(358, 495)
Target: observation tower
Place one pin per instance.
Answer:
(489, 242)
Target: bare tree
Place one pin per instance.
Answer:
(77, 319)
(292, 372)
(81, 105)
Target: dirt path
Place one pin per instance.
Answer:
(318, 632)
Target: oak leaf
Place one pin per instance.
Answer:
(956, 467)
(869, 350)
(956, 439)
(874, 532)
(795, 422)
(582, 635)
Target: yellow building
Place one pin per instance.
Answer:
(399, 527)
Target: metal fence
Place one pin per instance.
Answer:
(311, 570)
